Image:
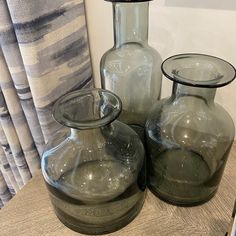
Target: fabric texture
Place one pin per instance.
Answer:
(44, 54)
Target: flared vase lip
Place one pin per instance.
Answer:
(90, 124)
(171, 71)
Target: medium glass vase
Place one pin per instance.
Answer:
(189, 136)
(94, 171)
(131, 69)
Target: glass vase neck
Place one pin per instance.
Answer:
(90, 138)
(205, 94)
(130, 23)
(76, 133)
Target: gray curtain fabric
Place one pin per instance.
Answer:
(43, 55)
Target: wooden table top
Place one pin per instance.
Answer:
(30, 213)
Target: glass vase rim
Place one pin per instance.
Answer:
(195, 83)
(92, 124)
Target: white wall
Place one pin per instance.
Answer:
(176, 26)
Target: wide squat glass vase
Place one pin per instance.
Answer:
(189, 136)
(131, 69)
(94, 172)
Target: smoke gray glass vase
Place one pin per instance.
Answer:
(189, 136)
(131, 69)
(95, 168)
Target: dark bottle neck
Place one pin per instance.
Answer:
(206, 95)
(130, 23)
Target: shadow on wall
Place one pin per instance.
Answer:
(208, 4)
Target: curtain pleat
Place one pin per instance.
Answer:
(54, 47)
(13, 59)
(14, 143)
(44, 54)
(1, 204)
(5, 194)
(18, 122)
(8, 165)
(8, 181)
(9, 171)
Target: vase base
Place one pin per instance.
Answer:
(178, 201)
(105, 228)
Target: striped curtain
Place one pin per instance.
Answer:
(43, 55)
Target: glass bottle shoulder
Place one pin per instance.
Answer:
(131, 54)
(117, 144)
(171, 116)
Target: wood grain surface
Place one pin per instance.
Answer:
(30, 213)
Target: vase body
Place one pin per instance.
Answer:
(95, 171)
(189, 136)
(131, 69)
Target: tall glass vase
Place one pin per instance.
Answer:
(189, 136)
(131, 69)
